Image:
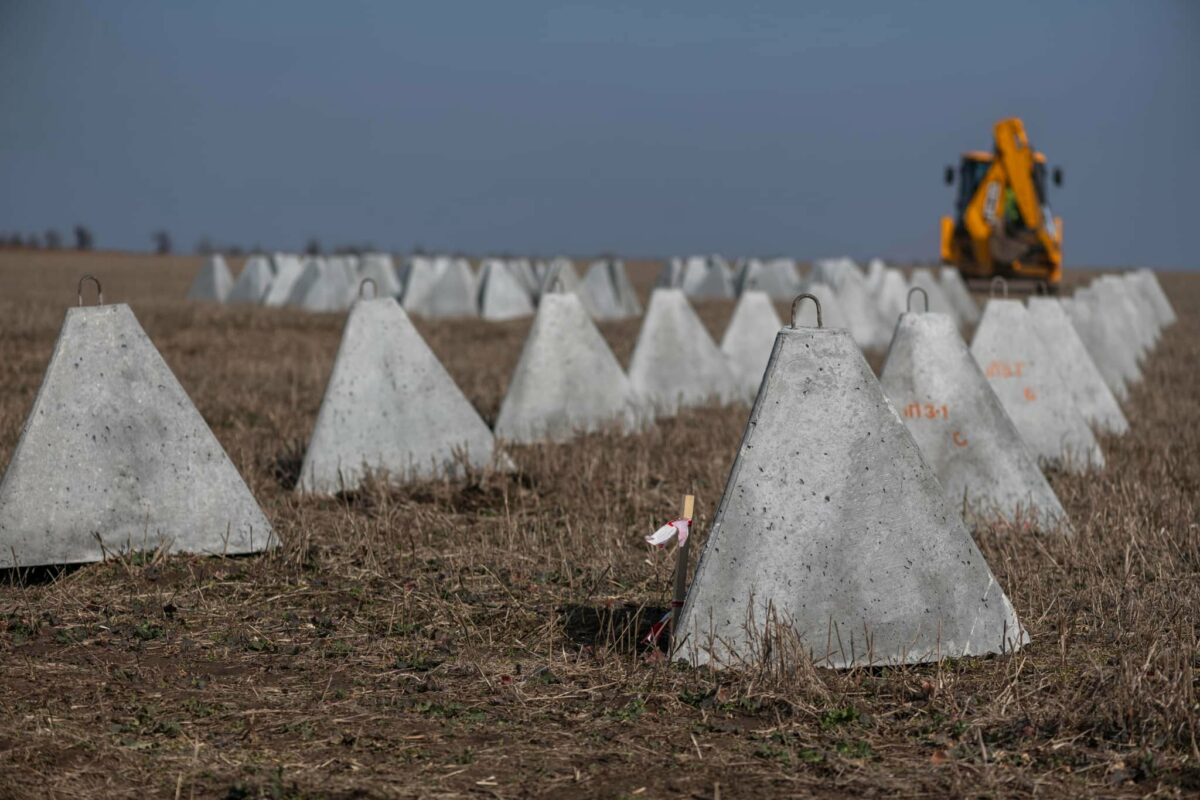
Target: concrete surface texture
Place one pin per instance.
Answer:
(287, 271)
(1076, 368)
(749, 338)
(955, 288)
(114, 458)
(501, 295)
(962, 429)
(390, 408)
(1097, 340)
(1010, 353)
(1145, 307)
(675, 362)
(832, 523)
(567, 380)
(832, 271)
(600, 285)
(251, 286)
(213, 283)
(626, 294)
(523, 269)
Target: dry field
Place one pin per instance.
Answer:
(479, 638)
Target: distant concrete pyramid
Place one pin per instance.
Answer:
(1109, 344)
(379, 269)
(891, 298)
(863, 318)
(287, 271)
(777, 277)
(675, 362)
(833, 271)
(749, 338)
(876, 268)
(115, 458)
(213, 283)
(1011, 355)
(1076, 368)
(1122, 313)
(501, 295)
(955, 289)
(523, 269)
(1153, 289)
(833, 525)
(609, 292)
(939, 303)
(390, 408)
(321, 287)
(706, 279)
(560, 276)
(441, 287)
(961, 427)
(252, 284)
(567, 381)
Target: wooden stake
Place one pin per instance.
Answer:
(681, 567)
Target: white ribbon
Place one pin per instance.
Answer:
(675, 529)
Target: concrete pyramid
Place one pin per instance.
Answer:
(778, 278)
(1147, 313)
(1011, 355)
(833, 271)
(1107, 352)
(832, 524)
(444, 287)
(567, 380)
(1082, 378)
(876, 269)
(1122, 312)
(1108, 315)
(671, 274)
(252, 284)
(939, 303)
(321, 287)
(706, 279)
(287, 271)
(749, 338)
(114, 457)
(523, 269)
(213, 283)
(891, 297)
(390, 407)
(675, 362)
(630, 303)
(955, 289)
(863, 319)
(602, 292)
(1153, 289)
(962, 429)
(501, 295)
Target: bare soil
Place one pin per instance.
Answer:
(480, 638)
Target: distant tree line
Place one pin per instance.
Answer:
(50, 240)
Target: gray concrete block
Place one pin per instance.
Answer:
(213, 283)
(1075, 366)
(501, 295)
(955, 289)
(832, 522)
(964, 433)
(1114, 358)
(287, 271)
(115, 458)
(749, 338)
(390, 408)
(1010, 353)
(252, 285)
(567, 380)
(675, 362)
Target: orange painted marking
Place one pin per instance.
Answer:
(927, 410)
(1030, 395)
(1005, 369)
(958, 439)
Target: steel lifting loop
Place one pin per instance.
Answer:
(796, 308)
(99, 289)
(1003, 284)
(908, 301)
(363, 285)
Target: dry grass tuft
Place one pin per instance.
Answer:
(481, 637)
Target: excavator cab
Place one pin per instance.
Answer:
(1002, 223)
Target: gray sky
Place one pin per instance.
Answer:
(641, 128)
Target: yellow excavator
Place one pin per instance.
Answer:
(1002, 224)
